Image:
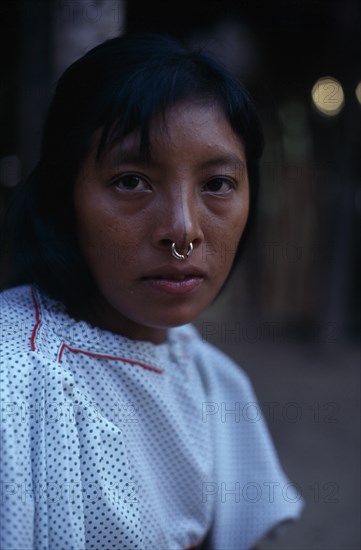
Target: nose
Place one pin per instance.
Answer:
(178, 221)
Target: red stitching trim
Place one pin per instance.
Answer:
(74, 350)
(37, 318)
(63, 346)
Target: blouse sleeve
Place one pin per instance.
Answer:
(250, 492)
(17, 503)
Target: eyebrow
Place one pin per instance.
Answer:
(131, 155)
(227, 159)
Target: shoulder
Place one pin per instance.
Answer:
(21, 361)
(26, 327)
(215, 366)
(19, 316)
(16, 302)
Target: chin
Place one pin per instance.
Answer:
(176, 318)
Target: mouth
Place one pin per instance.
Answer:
(175, 273)
(174, 283)
(174, 277)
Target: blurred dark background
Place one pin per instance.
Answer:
(291, 313)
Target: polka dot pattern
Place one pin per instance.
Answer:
(103, 440)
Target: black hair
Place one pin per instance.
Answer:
(118, 87)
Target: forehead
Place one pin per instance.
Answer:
(190, 129)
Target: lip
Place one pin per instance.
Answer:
(175, 272)
(175, 280)
(173, 286)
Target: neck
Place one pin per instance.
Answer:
(99, 313)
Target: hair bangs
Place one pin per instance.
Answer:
(156, 87)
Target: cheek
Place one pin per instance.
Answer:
(225, 233)
(106, 242)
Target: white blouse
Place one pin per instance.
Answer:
(110, 443)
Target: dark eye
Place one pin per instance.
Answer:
(131, 182)
(217, 185)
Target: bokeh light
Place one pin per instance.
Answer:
(328, 96)
(358, 92)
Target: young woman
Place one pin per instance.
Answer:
(121, 428)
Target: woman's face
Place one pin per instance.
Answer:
(129, 212)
